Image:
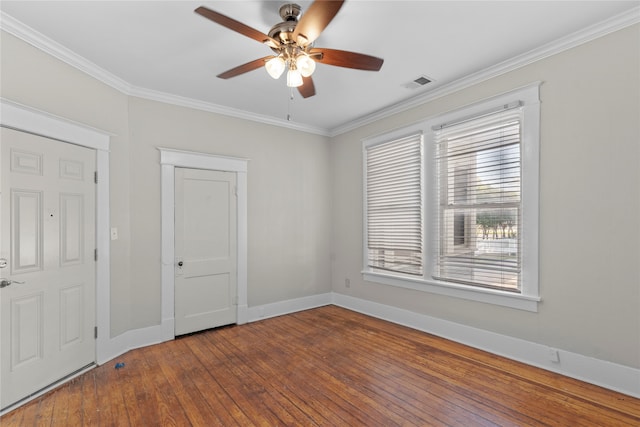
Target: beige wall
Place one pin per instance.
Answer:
(589, 205)
(289, 191)
(305, 190)
(289, 199)
(35, 79)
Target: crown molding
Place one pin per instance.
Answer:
(585, 35)
(40, 41)
(44, 43)
(220, 109)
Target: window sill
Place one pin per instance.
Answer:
(489, 296)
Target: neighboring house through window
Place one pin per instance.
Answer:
(451, 203)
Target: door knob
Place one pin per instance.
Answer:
(6, 282)
(3, 262)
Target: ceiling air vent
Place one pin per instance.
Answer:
(419, 82)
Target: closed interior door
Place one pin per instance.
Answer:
(206, 249)
(47, 299)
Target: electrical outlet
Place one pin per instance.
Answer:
(114, 233)
(554, 355)
(347, 283)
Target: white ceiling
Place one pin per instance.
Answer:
(163, 49)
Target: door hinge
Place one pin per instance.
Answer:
(95, 332)
(95, 254)
(95, 177)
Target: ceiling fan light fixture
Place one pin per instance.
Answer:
(294, 78)
(275, 66)
(306, 65)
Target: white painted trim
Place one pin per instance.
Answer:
(169, 160)
(40, 41)
(281, 308)
(606, 374)
(225, 111)
(32, 120)
(24, 118)
(132, 339)
(472, 293)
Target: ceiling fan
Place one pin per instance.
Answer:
(292, 44)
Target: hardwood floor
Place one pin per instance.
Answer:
(327, 366)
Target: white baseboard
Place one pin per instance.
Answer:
(280, 308)
(137, 338)
(613, 376)
(242, 314)
(595, 371)
(133, 339)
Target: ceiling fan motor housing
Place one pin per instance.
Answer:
(290, 13)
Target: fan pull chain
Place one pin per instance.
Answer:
(289, 105)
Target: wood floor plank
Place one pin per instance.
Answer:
(45, 410)
(89, 407)
(441, 370)
(287, 411)
(355, 392)
(305, 381)
(326, 366)
(170, 410)
(265, 359)
(253, 397)
(136, 388)
(74, 410)
(377, 354)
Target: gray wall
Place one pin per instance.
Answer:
(589, 205)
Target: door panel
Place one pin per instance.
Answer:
(27, 336)
(71, 231)
(206, 283)
(47, 225)
(26, 230)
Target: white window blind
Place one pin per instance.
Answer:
(394, 205)
(479, 196)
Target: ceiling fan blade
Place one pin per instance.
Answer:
(314, 20)
(244, 68)
(307, 89)
(343, 58)
(237, 26)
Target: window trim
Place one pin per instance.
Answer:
(529, 297)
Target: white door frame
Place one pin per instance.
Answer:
(169, 160)
(20, 117)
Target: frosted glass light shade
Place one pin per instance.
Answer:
(275, 67)
(306, 65)
(294, 78)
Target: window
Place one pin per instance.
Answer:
(478, 186)
(451, 203)
(394, 205)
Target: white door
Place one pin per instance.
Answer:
(206, 249)
(47, 234)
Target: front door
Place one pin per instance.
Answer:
(206, 249)
(47, 242)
